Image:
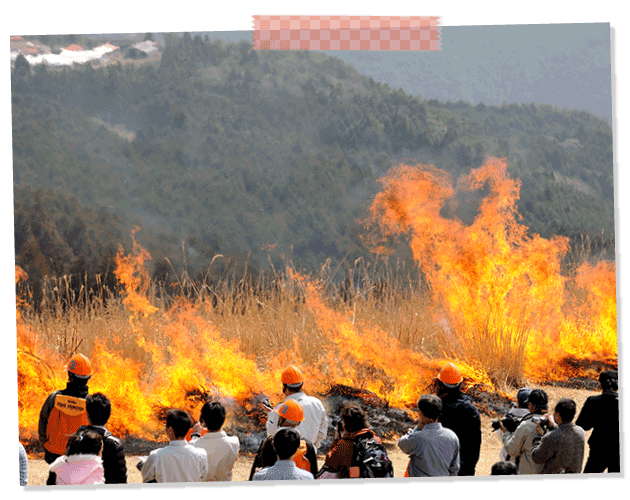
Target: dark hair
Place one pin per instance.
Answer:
(566, 408)
(179, 421)
(292, 387)
(539, 399)
(99, 408)
(213, 415)
(430, 406)
(609, 379)
(503, 468)
(84, 442)
(354, 418)
(286, 442)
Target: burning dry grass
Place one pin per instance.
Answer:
(487, 295)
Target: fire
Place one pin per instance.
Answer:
(500, 291)
(502, 307)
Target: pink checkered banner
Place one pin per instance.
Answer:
(346, 33)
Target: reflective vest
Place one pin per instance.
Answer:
(67, 415)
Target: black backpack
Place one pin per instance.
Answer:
(371, 458)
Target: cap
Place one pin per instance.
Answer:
(292, 376)
(450, 375)
(291, 410)
(80, 366)
(522, 395)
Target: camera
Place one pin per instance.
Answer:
(540, 420)
(510, 422)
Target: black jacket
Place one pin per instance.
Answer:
(113, 456)
(460, 415)
(601, 413)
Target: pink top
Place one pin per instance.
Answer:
(78, 469)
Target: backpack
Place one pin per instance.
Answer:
(371, 459)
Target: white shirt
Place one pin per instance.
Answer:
(282, 470)
(314, 427)
(222, 451)
(176, 463)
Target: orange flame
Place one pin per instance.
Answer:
(500, 290)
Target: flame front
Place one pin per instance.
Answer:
(497, 301)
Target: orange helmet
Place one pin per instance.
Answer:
(292, 376)
(80, 366)
(450, 375)
(291, 410)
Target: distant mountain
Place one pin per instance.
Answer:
(566, 65)
(219, 149)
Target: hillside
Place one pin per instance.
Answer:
(265, 157)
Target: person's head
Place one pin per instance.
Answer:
(291, 413)
(609, 380)
(565, 409)
(99, 408)
(212, 415)
(79, 369)
(286, 442)
(354, 418)
(449, 380)
(538, 401)
(85, 442)
(292, 380)
(503, 468)
(430, 407)
(522, 396)
(179, 423)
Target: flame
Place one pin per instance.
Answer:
(499, 290)
(502, 307)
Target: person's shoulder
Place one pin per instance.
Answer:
(303, 473)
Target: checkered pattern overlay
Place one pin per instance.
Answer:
(346, 33)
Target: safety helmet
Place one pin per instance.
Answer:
(80, 366)
(291, 410)
(450, 375)
(292, 376)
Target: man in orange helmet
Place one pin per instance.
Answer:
(314, 427)
(460, 415)
(64, 411)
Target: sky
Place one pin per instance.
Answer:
(37, 17)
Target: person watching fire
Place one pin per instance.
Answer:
(432, 448)
(291, 415)
(601, 413)
(178, 462)
(222, 450)
(460, 415)
(518, 444)
(561, 450)
(99, 409)
(314, 427)
(64, 411)
(286, 442)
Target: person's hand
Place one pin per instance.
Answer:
(197, 428)
(539, 429)
(550, 421)
(502, 426)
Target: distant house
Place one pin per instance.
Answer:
(74, 47)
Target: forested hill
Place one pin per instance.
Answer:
(258, 155)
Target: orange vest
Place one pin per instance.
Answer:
(299, 458)
(67, 415)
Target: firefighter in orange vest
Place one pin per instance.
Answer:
(64, 411)
(291, 415)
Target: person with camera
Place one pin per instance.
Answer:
(562, 449)
(511, 419)
(518, 444)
